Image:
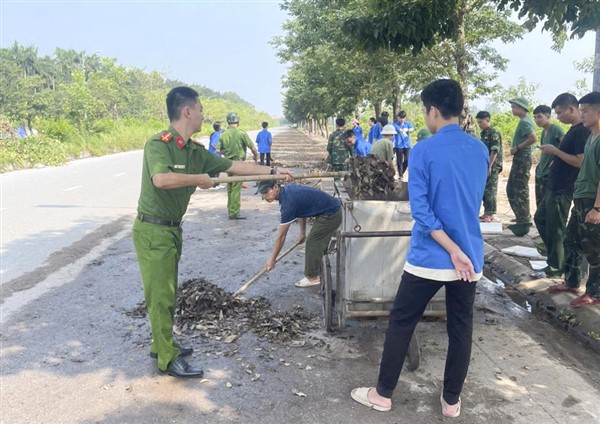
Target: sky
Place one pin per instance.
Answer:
(224, 45)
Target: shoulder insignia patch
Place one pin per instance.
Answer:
(180, 142)
(166, 136)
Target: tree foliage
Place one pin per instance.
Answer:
(336, 69)
(85, 90)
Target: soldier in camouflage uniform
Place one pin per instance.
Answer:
(493, 141)
(517, 188)
(337, 148)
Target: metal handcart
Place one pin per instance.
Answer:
(369, 252)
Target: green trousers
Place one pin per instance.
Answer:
(234, 198)
(540, 189)
(317, 241)
(491, 189)
(517, 188)
(583, 239)
(551, 221)
(158, 250)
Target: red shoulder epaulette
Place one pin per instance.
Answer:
(166, 136)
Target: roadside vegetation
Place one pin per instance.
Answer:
(73, 104)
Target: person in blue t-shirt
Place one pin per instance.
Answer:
(360, 147)
(264, 140)
(214, 138)
(402, 142)
(298, 202)
(448, 173)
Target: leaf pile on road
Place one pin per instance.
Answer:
(215, 313)
(372, 179)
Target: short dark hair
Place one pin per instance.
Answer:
(373, 119)
(383, 120)
(402, 114)
(446, 95)
(592, 98)
(565, 100)
(265, 124)
(340, 122)
(385, 113)
(217, 126)
(347, 134)
(546, 110)
(483, 114)
(178, 98)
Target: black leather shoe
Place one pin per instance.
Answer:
(237, 217)
(178, 367)
(183, 351)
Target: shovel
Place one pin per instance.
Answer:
(264, 271)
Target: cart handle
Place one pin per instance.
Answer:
(365, 234)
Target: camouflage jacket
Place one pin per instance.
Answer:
(493, 141)
(337, 148)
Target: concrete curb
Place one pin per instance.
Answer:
(578, 322)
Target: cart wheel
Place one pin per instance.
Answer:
(413, 357)
(327, 293)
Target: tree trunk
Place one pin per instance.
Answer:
(397, 103)
(596, 83)
(377, 104)
(460, 55)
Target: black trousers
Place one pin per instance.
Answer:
(402, 159)
(262, 158)
(413, 296)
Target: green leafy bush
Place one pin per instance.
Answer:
(31, 151)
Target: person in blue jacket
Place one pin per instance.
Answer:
(360, 147)
(372, 123)
(357, 129)
(214, 138)
(264, 140)
(402, 142)
(448, 173)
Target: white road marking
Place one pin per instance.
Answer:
(72, 188)
(119, 175)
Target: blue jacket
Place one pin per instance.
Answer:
(402, 139)
(358, 132)
(214, 142)
(447, 176)
(264, 139)
(375, 132)
(362, 147)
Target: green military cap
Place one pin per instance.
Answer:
(423, 134)
(521, 102)
(232, 118)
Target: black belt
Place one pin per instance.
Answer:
(158, 221)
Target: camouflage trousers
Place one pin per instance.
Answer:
(517, 188)
(489, 195)
(540, 189)
(551, 221)
(582, 240)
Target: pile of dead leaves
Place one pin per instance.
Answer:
(372, 179)
(209, 310)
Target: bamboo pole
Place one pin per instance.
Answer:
(247, 178)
